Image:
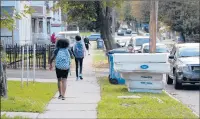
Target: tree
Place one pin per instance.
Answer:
(181, 16)
(93, 11)
(136, 11)
(9, 23)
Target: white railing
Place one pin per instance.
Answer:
(7, 40)
(41, 38)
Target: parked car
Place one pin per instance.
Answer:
(146, 34)
(134, 34)
(184, 64)
(160, 48)
(121, 32)
(94, 37)
(138, 41)
(128, 31)
(70, 35)
(122, 40)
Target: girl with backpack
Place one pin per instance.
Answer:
(62, 65)
(79, 53)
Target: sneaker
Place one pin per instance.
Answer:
(63, 98)
(60, 96)
(81, 77)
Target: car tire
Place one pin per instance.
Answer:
(169, 80)
(177, 84)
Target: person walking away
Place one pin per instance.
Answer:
(87, 43)
(79, 53)
(53, 38)
(62, 65)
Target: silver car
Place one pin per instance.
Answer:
(184, 64)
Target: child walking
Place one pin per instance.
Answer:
(79, 53)
(62, 65)
(87, 43)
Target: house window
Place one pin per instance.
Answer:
(33, 24)
(48, 27)
(40, 26)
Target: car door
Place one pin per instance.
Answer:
(172, 61)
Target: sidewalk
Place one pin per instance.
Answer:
(81, 96)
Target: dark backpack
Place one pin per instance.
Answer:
(86, 41)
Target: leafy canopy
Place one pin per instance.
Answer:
(9, 21)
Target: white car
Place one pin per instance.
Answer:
(160, 48)
(134, 34)
(70, 35)
(122, 40)
(138, 41)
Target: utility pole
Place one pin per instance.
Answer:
(153, 25)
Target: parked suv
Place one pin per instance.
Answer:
(184, 64)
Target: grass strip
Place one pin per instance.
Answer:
(148, 106)
(31, 98)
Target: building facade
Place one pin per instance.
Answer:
(45, 21)
(34, 28)
(22, 33)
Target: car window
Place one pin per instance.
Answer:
(141, 41)
(159, 49)
(189, 52)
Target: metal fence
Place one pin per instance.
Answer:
(14, 56)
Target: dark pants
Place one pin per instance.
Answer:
(87, 46)
(79, 64)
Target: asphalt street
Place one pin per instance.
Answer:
(188, 95)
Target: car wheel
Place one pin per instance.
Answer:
(169, 80)
(177, 84)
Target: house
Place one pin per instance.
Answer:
(35, 28)
(22, 33)
(39, 21)
(56, 21)
(44, 21)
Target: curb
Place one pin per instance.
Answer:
(22, 114)
(179, 101)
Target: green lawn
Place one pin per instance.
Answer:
(100, 60)
(33, 98)
(16, 117)
(147, 106)
(85, 33)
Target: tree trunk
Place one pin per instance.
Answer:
(104, 15)
(3, 78)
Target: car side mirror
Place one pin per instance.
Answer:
(171, 57)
